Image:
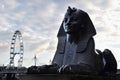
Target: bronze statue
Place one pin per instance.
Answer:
(76, 48)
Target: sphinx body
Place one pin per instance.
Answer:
(109, 62)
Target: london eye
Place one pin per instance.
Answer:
(14, 51)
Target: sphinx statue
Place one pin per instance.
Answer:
(76, 48)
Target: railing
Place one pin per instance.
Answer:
(13, 71)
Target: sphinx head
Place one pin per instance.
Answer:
(73, 21)
(76, 20)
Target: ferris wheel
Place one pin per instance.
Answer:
(14, 51)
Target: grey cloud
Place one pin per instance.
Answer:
(4, 47)
(51, 45)
(103, 4)
(101, 29)
(84, 4)
(114, 34)
(5, 36)
(41, 45)
(115, 45)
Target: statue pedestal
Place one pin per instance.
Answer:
(65, 77)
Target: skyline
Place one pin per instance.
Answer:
(39, 22)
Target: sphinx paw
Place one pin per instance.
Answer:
(65, 69)
(75, 69)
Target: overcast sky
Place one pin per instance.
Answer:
(39, 21)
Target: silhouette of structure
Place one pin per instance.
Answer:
(35, 60)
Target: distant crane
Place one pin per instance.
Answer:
(13, 53)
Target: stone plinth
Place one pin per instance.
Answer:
(66, 77)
